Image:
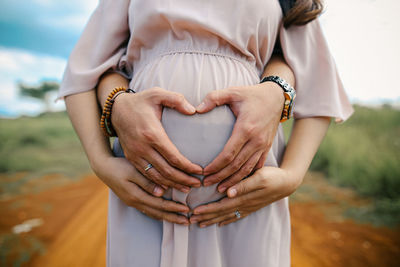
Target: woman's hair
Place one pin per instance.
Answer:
(300, 12)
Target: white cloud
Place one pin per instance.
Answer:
(23, 65)
(68, 22)
(18, 65)
(75, 19)
(44, 2)
(79, 5)
(7, 62)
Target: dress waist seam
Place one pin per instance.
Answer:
(246, 63)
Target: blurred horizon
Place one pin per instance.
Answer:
(38, 36)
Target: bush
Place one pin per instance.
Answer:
(44, 144)
(364, 153)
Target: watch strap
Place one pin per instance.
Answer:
(289, 93)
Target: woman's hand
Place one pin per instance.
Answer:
(265, 186)
(268, 184)
(137, 191)
(137, 121)
(258, 110)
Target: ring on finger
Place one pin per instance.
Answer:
(237, 214)
(148, 167)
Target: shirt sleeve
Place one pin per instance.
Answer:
(319, 88)
(101, 48)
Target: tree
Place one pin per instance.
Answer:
(41, 91)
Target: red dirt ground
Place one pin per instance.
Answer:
(73, 232)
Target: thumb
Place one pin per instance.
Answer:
(214, 99)
(178, 102)
(245, 186)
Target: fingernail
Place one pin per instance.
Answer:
(190, 108)
(185, 189)
(183, 221)
(222, 189)
(158, 191)
(201, 106)
(232, 192)
(198, 170)
(196, 184)
(198, 210)
(184, 209)
(194, 220)
(207, 183)
(202, 225)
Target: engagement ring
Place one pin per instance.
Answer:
(237, 214)
(148, 167)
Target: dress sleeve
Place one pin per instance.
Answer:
(319, 89)
(101, 48)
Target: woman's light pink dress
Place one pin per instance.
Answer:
(194, 47)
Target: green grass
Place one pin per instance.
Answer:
(383, 211)
(17, 250)
(41, 145)
(364, 153)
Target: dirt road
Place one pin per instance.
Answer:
(73, 233)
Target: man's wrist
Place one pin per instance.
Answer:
(119, 107)
(275, 89)
(288, 92)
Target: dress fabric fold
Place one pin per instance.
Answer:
(194, 47)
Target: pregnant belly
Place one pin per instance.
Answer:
(200, 137)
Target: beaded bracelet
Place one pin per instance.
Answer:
(105, 120)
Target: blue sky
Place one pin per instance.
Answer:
(35, 41)
(38, 35)
(43, 26)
